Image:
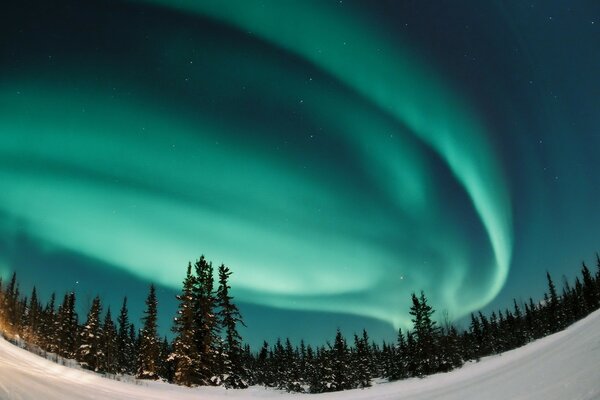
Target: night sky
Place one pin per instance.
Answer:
(336, 155)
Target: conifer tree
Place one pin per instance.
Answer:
(207, 327)
(340, 363)
(90, 353)
(185, 356)
(110, 345)
(590, 295)
(400, 370)
(149, 342)
(551, 307)
(477, 335)
(125, 354)
(519, 329)
(426, 335)
(11, 303)
(2, 307)
(133, 356)
(229, 317)
(597, 278)
(166, 368)
(67, 327)
(48, 326)
(33, 318)
(361, 362)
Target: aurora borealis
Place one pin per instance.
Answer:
(336, 155)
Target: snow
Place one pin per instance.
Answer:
(558, 367)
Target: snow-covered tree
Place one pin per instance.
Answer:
(90, 353)
(233, 370)
(67, 327)
(149, 342)
(110, 346)
(185, 354)
(125, 351)
(207, 328)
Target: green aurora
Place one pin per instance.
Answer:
(144, 182)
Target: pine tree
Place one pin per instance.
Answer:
(324, 377)
(2, 307)
(426, 335)
(48, 326)
(340, 363)
(207, 327)
(263, 375)
(477, 335)
(134, 355)
(361, 362)
(291, 381)
(33, 318)
(590, 295)
(229, 317)
(149, 342)
(185, 354)
(597, 278)
(67, 329)
(110, 345)
(11, 303)
(400, 370)
(519, 334)
(551, 306)
(90, 353)
(125, 354)
(166, 366)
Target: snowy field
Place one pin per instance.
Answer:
(564, 366)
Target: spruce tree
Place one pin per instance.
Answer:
(67, 327)
(125, 354)
(597, 278)
(149, 342)
(10, 312)
(552, 312)
(110, 345)
(2, 307)
(426, 335)
(133, 356)
(230, 316)
(90, 353)
(185, 356)
(590, 294)
(340, 363)
(48, 326)
(361, 362)
(207, 326)
(400, 370)
(519, 329)
(263, 366)
(477, 336)
(33, 318)
(166, 367)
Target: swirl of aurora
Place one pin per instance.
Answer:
(331, 170)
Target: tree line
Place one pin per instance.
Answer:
(207, 348)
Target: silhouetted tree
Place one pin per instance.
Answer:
(185, 356)
(149, 342)
(90, 353)
(230, 316)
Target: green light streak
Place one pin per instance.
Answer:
(146, 187)
(395, 82)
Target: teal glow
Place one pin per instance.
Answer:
(140, 184)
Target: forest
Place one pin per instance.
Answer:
(207, 349)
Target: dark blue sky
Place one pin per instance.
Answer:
(336, 155)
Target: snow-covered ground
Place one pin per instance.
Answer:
(564, 366)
